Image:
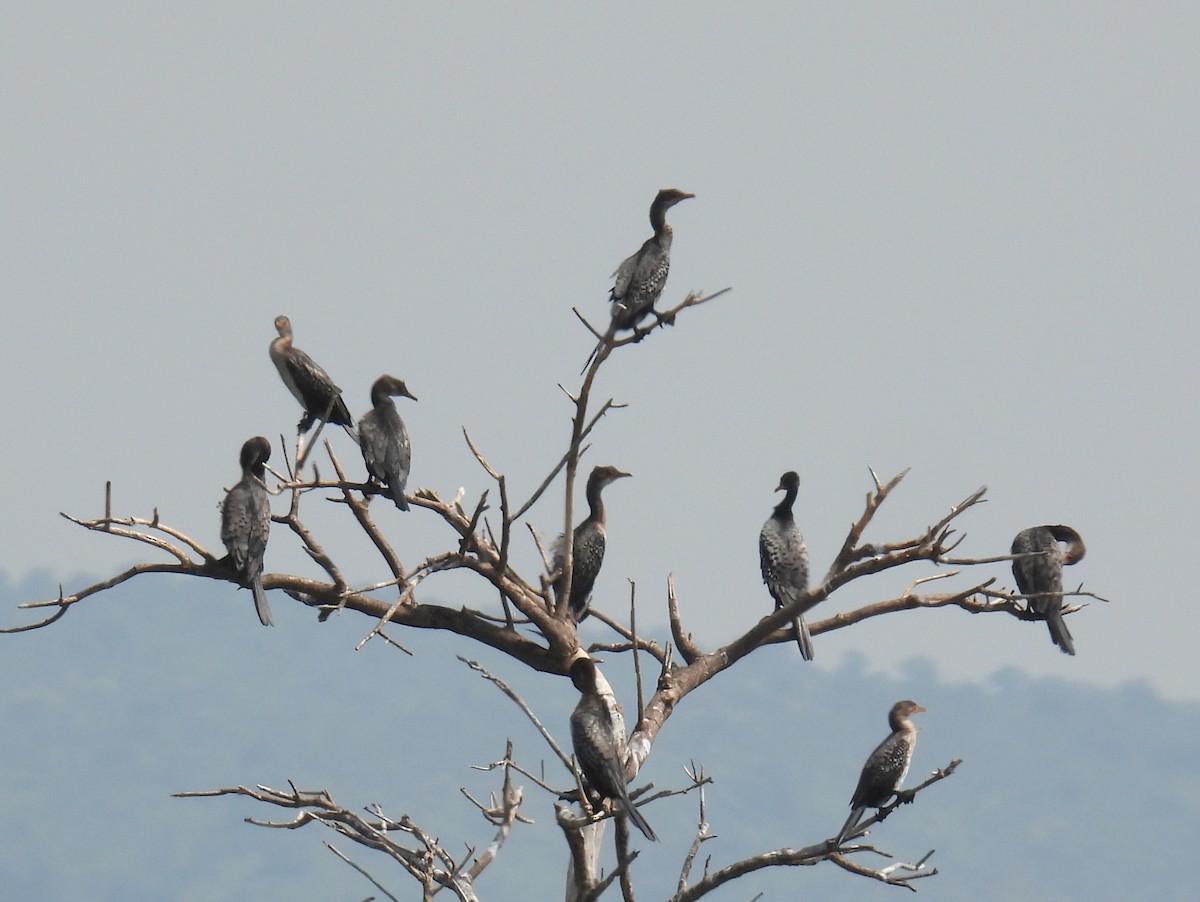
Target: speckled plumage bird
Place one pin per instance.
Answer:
(639, 280)
(1040, 578)
(887, 766)
(587, 547)
(246, 522)
(386, 449)
(309, 384)
(784, 557)
(598, 737)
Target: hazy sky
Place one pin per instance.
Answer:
(960, 240)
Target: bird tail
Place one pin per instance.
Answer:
(636, 817)
(804, 639)
(397, 493)
(260, 602)
(608, 336)
(580, 608)
(848, 827)
(1059, 634)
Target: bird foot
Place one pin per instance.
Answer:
(905, 796)
(664, 319)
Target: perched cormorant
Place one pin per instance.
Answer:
(308, 383)
(246, 522)
(598, 736)
(1040, 578)
(384, 440)
(639, 280)
(641, 277)
(587, 549)
(887, 767)
(784, 558)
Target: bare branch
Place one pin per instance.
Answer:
(520, 703)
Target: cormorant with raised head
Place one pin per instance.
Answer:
(1040, 578)
(639, 280)
(308, 383)
(386, 449)
(641, 277)
(887, 767)
(587, 549)
(598, 737)
(784, 558)
(246, 522)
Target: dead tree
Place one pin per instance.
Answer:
(532, 628)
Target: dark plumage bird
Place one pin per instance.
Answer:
(308, 383)
(1040, 578)
(246, 522)
(784, 558)
(386, 449)
(641, 277)
(639, 280)
(887, 767)
(587, 548)
(598, 737)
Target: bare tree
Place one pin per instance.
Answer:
(535, 629)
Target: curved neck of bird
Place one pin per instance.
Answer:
(595, 503)
(783, 510)
(1075, 547)
(658, 220)
(380, 398)
(283, 343)
(901, 724)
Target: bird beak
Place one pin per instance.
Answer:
(621, 475)
(918, 709)
(409, 394)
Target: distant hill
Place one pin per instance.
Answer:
(1066, 791)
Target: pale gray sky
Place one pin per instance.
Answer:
(960, 240)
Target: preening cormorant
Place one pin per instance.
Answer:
(887, 767)
(1040, 578)
(246, 522)
(386, 449)
(308, 383)
(784, 558)
(598, 737)
(587, 549)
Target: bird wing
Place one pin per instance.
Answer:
(783, 559)
(623, 275)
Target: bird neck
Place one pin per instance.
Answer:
(595, 502)
(783, 510)
(1075, 547)
(901, 724)
(381, 400)
(658, 220)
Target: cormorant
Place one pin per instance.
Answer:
(887, 767)
(641, 277)
(1040, 578)
(587, 549)
(598, 737)
(384, 440)
(639, 280)
(784, 558)
(308, 383)
(246, 522)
